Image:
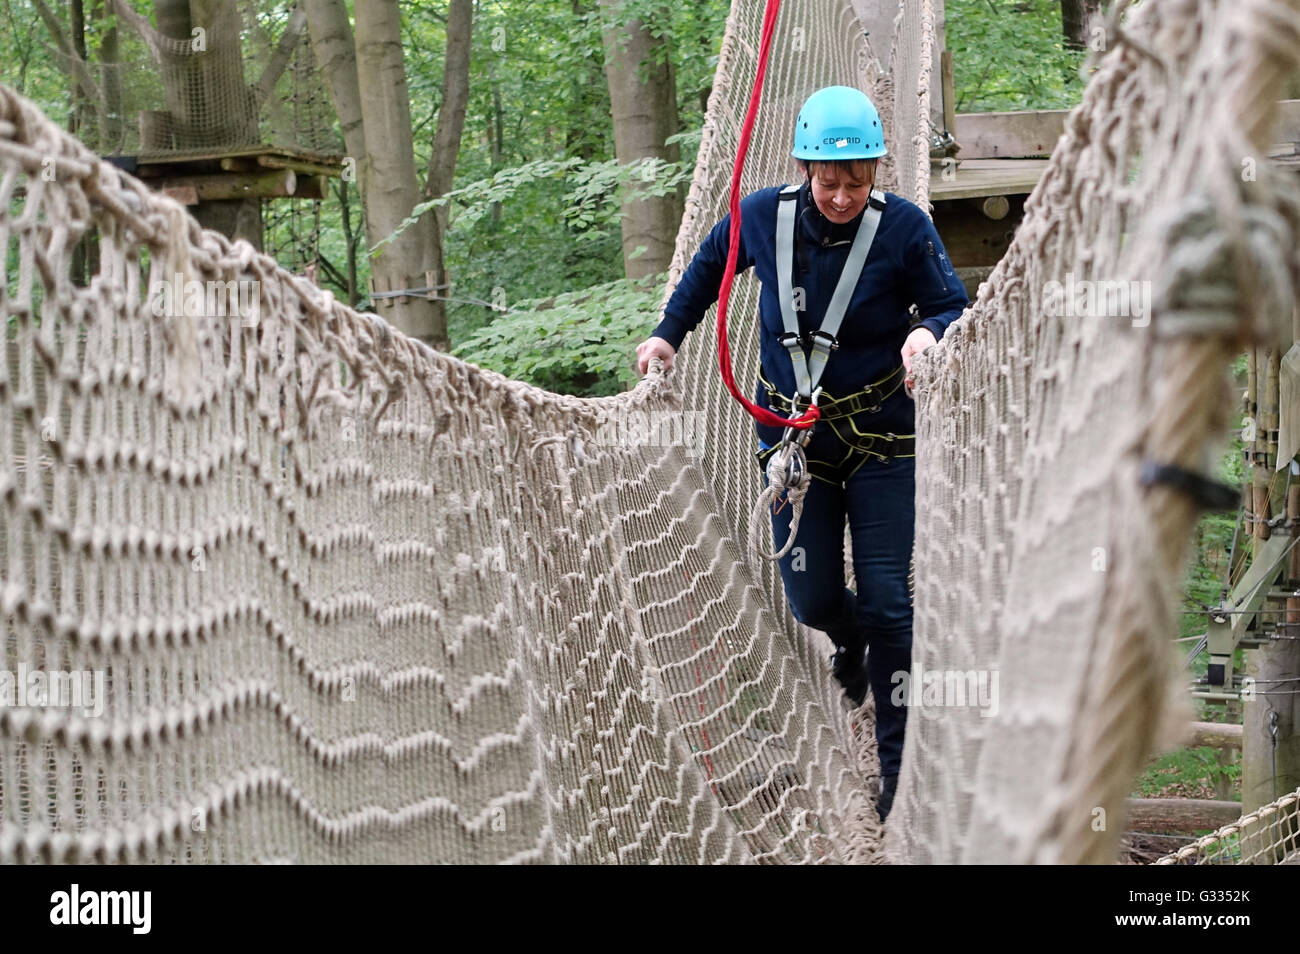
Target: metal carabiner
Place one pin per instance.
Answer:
(806, 436)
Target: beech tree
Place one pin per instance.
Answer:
(643, 97)
(368, 85)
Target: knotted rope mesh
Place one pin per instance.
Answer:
(354, 600)
(1039, 553)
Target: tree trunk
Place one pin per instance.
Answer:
(1075, 17)
(643, 97)
(225, 107)
(220, 110)
(112, 122)
(81, 123)
(446, 139)
(392, 188)
(173, 18)
(336, 57)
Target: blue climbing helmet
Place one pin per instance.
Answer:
(838, 122)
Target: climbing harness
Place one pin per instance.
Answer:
(870, 399)
(789, 472)
(808, 371)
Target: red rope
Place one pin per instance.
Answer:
(760, 414)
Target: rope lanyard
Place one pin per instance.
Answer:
(760, 414)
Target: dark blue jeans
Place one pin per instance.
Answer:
(878, 503)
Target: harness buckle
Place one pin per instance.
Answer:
(870, 392)
(830, 338)
(790, 339)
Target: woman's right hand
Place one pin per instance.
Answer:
(654, 348)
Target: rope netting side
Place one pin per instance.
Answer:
(1041, 557)
(1270, 835)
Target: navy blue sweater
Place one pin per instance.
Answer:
(907, 265)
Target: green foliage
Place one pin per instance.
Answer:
(481, 196)
(594, 201)
(577, 342)
(1011, 55)
(1191, 773)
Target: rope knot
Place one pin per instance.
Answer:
(788, 476)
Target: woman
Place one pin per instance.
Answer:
(862, 451)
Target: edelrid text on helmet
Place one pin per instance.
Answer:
(838, 122)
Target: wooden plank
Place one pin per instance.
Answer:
(253, 151)
(1265, 564)
(1180, 815)
(184, 194)
(1015, 135)
(976, 178)
(235, 185)
(301, 166)
(1224, 633)
(949, 91)
(1220, 735)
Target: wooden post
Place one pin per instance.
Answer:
(1271, 746)
(949, 92)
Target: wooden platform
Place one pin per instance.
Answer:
(235, 157)
(976, 178)
(258, 171)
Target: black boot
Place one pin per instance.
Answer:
(849, 666)
(888, 785)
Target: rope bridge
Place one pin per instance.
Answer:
(339, 597)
